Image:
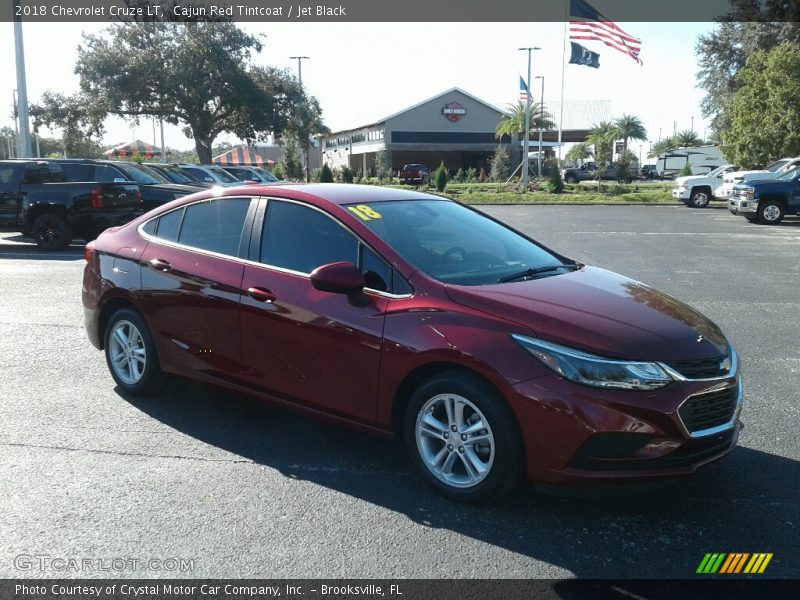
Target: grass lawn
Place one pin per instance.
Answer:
(500, 193)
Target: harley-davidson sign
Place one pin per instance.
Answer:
(454, 111)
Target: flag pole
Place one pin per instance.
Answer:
(563, 69)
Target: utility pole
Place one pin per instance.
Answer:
(541, 116)
(525, 139)
(305, 144)
(24, 139)
(692, 123)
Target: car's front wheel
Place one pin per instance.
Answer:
(770, 212)
(571, 179)
(699, 199)
(463, 437)
(131, 353)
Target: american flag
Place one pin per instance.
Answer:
(523, 90)
(597, 27)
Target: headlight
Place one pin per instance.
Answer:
(596, 371)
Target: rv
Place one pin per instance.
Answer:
(701, 159)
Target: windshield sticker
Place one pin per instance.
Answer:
(364, 212)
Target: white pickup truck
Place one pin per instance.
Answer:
(773, 171)
(698, 190)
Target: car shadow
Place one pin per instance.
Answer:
(746, 502)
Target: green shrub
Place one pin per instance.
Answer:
(277, 171)
(460, 176)
(499, 163)
(471, 175)
(555, 183)
(316, 174)
(686, 171)
(325, 174)
(440, 178)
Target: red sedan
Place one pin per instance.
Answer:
(494, 357)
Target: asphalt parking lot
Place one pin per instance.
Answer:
(246, 490)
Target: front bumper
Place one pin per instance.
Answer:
(682, 194)
(577, 435)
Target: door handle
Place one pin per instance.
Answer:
(261, 294)
(160, 265)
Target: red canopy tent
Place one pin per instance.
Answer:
(135, 148)
(243, 155)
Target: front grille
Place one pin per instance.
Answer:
(708, 410)
(702, 369)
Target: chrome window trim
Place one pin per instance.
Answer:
(719, 428)
(150, 238)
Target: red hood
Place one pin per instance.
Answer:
(600, 312)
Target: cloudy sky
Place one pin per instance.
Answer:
(361, 72)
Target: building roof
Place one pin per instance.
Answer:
(444, 93)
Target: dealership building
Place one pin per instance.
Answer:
(453, 127)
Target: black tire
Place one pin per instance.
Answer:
(570, 179)
(504, 454)
(152, 377)
(51, 232)
(700, 198)
(770, 212)
(751, 218)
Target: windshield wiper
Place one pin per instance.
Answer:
(531, 272)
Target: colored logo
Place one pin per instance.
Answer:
(734, 563)
(454, 111)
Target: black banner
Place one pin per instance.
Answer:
(410, 11)
(402, 589)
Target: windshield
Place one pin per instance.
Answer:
(776, 165)
(176, 175)
(717, 171)
(143, 175)
(454, 244)
(266, 175)
(790, 175)
(222, 175)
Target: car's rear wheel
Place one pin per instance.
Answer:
(462, 436)
(571, 179)
(699, 199)
(770, 212)
(131, 354)
(51, 232)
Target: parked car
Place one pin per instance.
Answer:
(768, 201)
(649, 172)
(155, 189)
(245, 173)
(177, 175)
(773, 171)
(404, 313)
(414, 174)
(698, 190)
(35, 200)
(212, 174)
(589, 171)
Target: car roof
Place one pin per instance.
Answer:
(332, 193)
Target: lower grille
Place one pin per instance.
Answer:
(709, 410)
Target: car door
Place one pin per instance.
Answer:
(191, 278)
(317, 348)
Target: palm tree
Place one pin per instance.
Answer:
(661, 147)
(579, 152)
(630, 127)
(687, 138)
(514, 123)
(602, 137)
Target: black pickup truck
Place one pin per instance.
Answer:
(35, 200)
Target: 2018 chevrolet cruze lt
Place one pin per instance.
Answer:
(494, 357)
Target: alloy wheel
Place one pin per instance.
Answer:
(127, 352)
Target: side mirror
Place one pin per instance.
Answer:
(339, 278)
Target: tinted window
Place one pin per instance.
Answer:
(377, 273)
(104, 173)
(215, 226)
(78, 172)
(169, 225)
(222, 175)
(150, 227)
(199, 174)
(142, 174)
(301, 239)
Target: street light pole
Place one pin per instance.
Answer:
(305, 143)
(24, 139)
(541, 117)
(526, 135)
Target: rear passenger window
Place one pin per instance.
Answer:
(169, 225)
(150, 227)
(215, 226)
